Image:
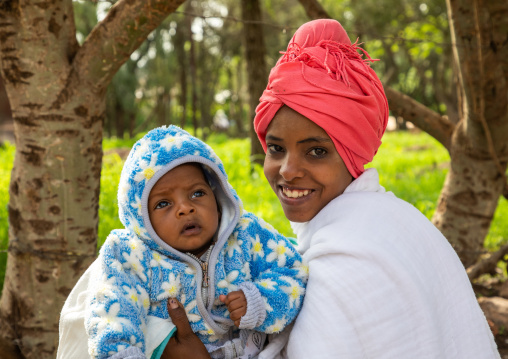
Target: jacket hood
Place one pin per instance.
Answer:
(157, 153)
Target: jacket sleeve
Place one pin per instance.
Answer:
(117, 307)
(277, 276)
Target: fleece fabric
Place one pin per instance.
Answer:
(136, 272)
(384, 283)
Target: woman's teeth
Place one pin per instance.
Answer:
(294, 193)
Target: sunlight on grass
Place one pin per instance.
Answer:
(413, 167)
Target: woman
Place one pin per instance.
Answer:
(383, 281)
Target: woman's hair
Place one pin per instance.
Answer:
(324, 77)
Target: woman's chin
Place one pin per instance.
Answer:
(295, 214)
(299, 209)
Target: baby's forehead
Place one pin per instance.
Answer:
(187, 174)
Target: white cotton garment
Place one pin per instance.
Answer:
(384, 283)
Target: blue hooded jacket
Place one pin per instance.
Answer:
(139, 271)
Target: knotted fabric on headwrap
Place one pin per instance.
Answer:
(323, 77)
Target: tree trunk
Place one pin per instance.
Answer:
(57, 95)
(255, 52)
(479, 148)
(193, 70)
(242, 130)
(179, 42)
(54, 189)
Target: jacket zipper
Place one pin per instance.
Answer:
(204, 270)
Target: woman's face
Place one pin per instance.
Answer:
(302, 165)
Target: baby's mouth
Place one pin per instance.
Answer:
(191, 228)
(295, 193)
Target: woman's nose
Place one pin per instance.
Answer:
(185, 208)
(291, 168)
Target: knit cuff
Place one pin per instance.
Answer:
(256, 311)
(129, 353)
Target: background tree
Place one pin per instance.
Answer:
(255, 53)
(478, 143)
(57, 89)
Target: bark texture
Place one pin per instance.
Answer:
(479, 148)
(255, 52)
(56, 91)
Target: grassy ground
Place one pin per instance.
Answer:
(413, 166)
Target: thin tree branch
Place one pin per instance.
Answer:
(488, 264)
(116, 37)
(421, 116)
(314, 10)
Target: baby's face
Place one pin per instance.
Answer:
(183, 210)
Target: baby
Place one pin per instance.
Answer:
(187, 237)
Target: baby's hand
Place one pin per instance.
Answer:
(237, 305)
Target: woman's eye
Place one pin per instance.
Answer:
(162, 204)
(199, 193)
(318, 152)
(274, 148)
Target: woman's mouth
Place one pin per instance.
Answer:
(295, 193)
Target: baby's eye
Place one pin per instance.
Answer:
(162, 204)
(274, 148)
(198, 193)
(318, 152)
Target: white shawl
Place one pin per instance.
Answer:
(383, 283)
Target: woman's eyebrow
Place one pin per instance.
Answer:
(272, 138)
(315, 139)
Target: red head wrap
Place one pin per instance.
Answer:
(324, 78)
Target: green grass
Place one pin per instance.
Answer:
(6, 162)
(412, 165)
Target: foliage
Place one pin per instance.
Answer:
(409, 37)
(6, 162)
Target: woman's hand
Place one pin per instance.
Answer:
(237, 305)
(184, 344)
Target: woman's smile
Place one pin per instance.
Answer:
(294, 193)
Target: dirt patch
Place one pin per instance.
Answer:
(502, 345)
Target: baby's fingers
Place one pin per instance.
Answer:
(237, 314)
